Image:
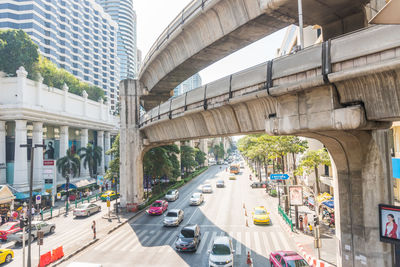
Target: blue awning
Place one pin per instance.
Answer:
(329, 204)
(48, 186)
(20, 195)
(71, 186)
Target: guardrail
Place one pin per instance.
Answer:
(55, 212)
(285, 217)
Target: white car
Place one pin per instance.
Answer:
(221, 253)
(46, 227)
(172, 195)
(196, 199)
(173, 217)
(207, 188)
(86, 209)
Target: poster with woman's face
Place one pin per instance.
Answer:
(389, 223)
(296, 195)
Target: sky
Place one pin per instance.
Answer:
(153, 16)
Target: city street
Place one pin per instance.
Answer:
(145, 242)
(70, 233)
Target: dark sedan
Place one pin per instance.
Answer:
(189, 238)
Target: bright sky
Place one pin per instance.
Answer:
(153, 16)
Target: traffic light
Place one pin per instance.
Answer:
(23, 223)
(316, 221)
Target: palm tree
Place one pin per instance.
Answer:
(68, 166)
(91, 156)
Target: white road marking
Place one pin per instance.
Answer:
(284, 241)
(275, 241)
(257, 243)
(214, 234)
(202, 243)
(266, 243)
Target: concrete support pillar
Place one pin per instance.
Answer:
(37, 138)
(100, 143)
(178, 144)
(3, 163)
(131, 144)
(204, 147)
(63, 141)
(84, 141)
(21, 181)
(362, 181)
(107, 146)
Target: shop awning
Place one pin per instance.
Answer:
(85, 182)
(71, 186)
(6, 195)
(20, 195)
(329, 204)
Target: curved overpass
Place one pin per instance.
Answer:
(208, 30)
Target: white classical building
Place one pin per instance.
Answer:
(33, 113)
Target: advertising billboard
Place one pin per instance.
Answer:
(389, 218)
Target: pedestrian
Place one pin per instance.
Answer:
(33, 212)
(94, 229)
(305, 221)
(301, 223)
(310, 228)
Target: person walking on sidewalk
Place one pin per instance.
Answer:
(94, 229)
(305, 221)
(301, 223)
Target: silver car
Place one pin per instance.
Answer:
(196, 199)
(46, 227)
(172, 195)
(220, 183)
(173, 217)
(207, 188)
(86, 209)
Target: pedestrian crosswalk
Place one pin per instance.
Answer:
(262, 242)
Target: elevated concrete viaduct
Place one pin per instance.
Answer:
(208, 30)
(344, 92)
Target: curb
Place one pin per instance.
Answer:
(75, 252)
(309, 258)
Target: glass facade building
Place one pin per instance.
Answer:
(77, 35)
(122, 12)
(190, 84)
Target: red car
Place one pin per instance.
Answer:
(286, 258)
(9, 228)
(158, 207)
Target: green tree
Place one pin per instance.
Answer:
(199, 156)
(113, 166)
(310, 162)
(91, 156)
(188, 158)
(16, 50)
(219, 151)
(68, 166)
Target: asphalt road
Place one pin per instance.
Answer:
(146, 242)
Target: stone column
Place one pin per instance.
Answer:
(362, 181)
(100, 143)
(37, 138)
(3, 163)
(131, 144)
(107, 146)
(21, 181)
(84, 141)
(204, 147)
(63, 141)
(178, 144)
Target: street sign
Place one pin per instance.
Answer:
(58, 195)
(38, 199)
(279, 176)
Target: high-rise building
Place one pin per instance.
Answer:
(76, 35)
(190, 84)
(122, 12)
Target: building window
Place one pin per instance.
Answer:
(86, 78)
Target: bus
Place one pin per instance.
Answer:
(234, 168)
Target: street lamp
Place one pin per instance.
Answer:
(23, 234)
(32, 147)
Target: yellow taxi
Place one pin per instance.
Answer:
(6, 255)
(260, 216)
(109, 193)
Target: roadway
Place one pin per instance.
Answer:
(145, 242)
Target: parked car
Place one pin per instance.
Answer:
(286, 258)
(196, 199)
(220, 183)
(158, 207)
(173, 217)
(207, 188)
(260, 216)
(46, 227)
(172, 195)
(262, 184)
(86, 209)
(189, 238)
(9, 228)
(221, 253)
(6, 255)
(109, 193)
